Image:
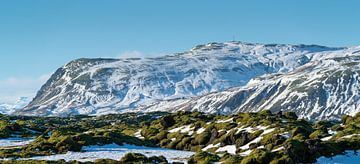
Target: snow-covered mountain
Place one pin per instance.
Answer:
(325, 88)
(8, 108)
(99, 86)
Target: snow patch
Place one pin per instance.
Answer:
(228, 148)
(15, 142)
(116, 152)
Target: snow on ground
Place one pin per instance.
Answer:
(228, 148)
(223, 121)
(277, 149)
(351, 135)
(348, 157)
(258, 139)
(210, 146)
(200, 130)
(182, 129)
(247, 129)
(138, 134)
(190, 133)
(14, 142)
(286, 135)
(175, 130)
(245, 153)
(260, 147)
(251, 129)
(332, 133)
(116, 152)
(326, 138)
(267, 131)
(247, 146)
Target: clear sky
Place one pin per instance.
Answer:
(38, 36)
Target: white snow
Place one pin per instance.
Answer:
(175, 129)
(199, 131)
(326, 138)
(260, 147)
(277, 149)
(169, 80)
(138, 134)
(224, 121)
(245, 153)
(15, 142)
(190, 132)
(286, 135)
(11, 107)
(210, 146)
(267, 131)
(251, 129)
(349, 136)
(228, 148)
(116, 152)
(318, 70)
(183, 129)
(258, 139)
(332, 132)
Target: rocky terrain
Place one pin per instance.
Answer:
(192, 137)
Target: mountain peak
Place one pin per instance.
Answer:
(101, 86)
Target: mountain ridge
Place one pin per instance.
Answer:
(101, 86)
(322, 89)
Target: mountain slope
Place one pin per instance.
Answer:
(325, 88)
(8, 108)
(99, 86)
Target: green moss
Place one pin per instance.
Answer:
(257, 157)
(317, 134)
(167, 121)
(203, 137)
(273, 139)
(148, 132)
(203, 158)
(230, 158)
(290, 115)
(105, 161)
(255, 134)
(138, 158)
(285, 159)
(184, 144)
(299, 151)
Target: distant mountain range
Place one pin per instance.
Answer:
(9, 108)
(316, 82)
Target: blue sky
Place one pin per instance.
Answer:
(37, 37)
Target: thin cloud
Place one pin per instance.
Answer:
(13, 88)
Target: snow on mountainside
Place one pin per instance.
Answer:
(100, 86)
(6, 108)
(325, 88)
